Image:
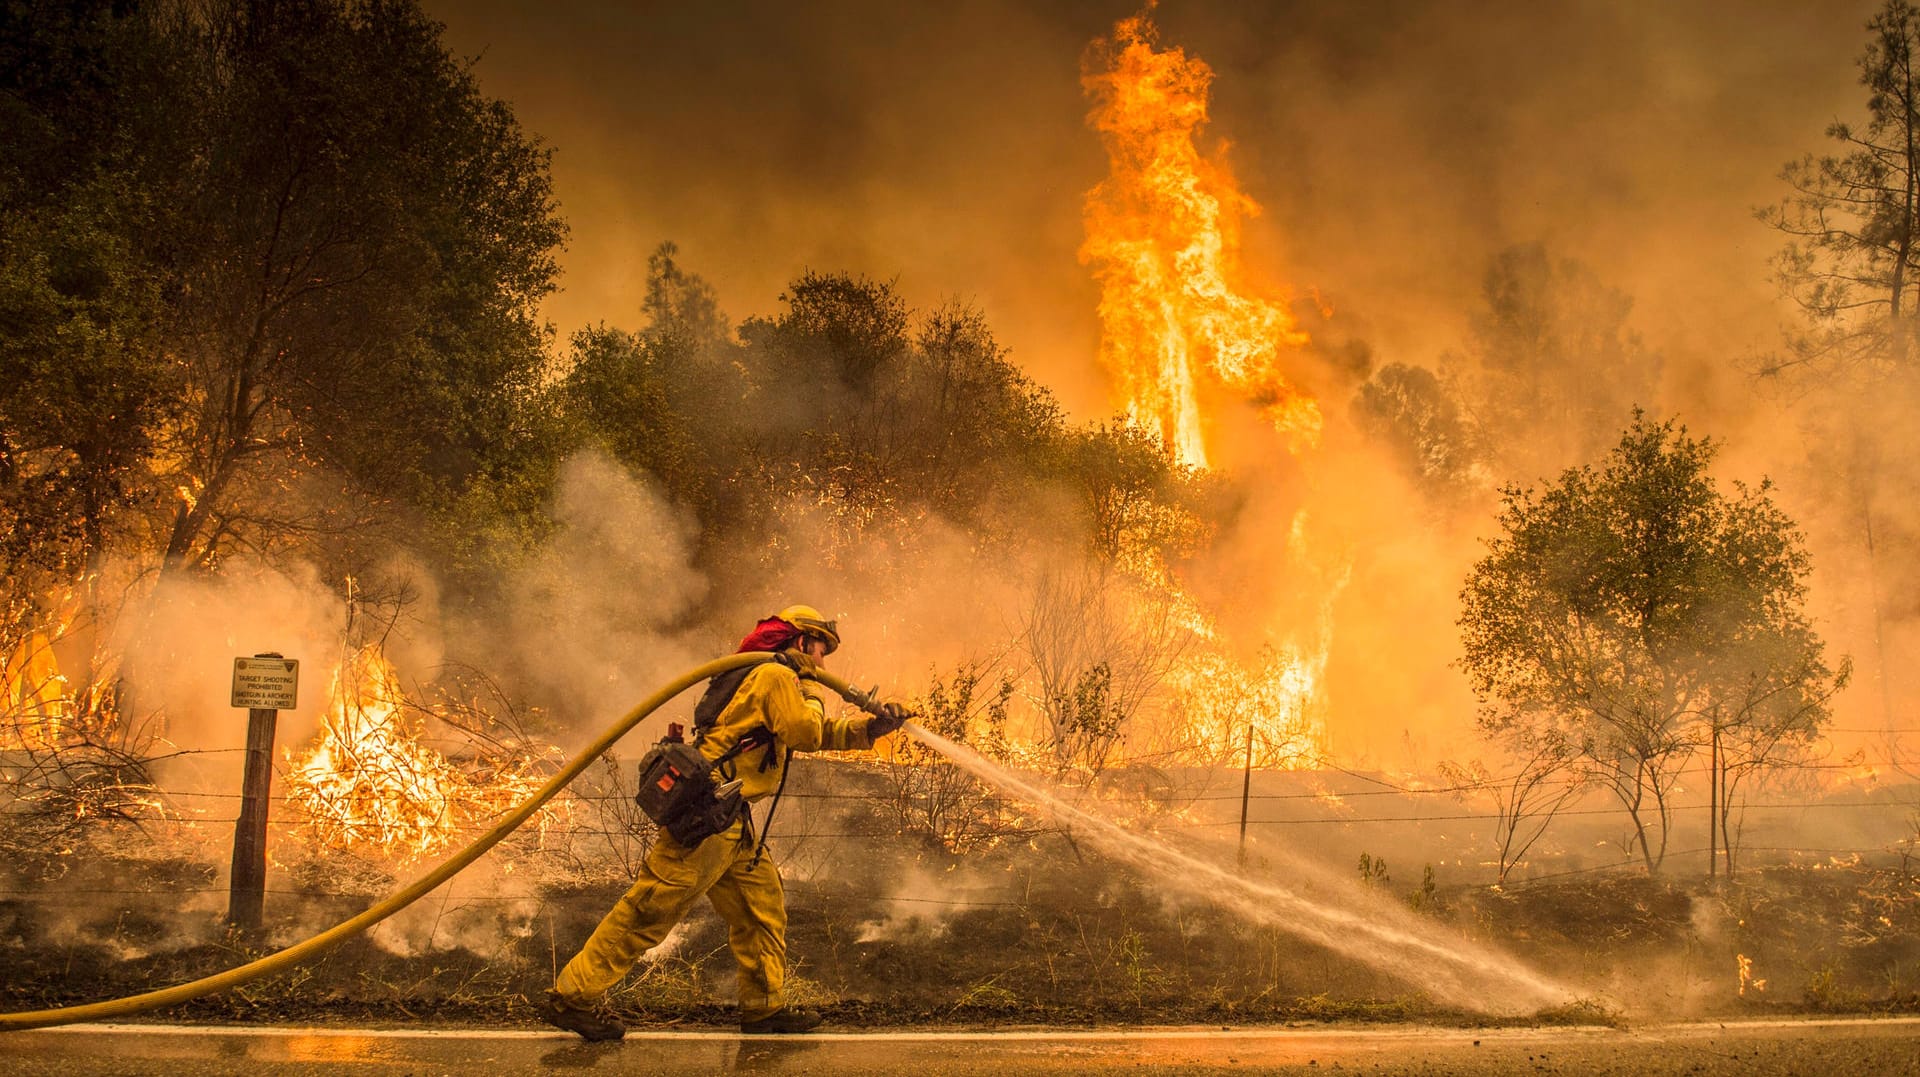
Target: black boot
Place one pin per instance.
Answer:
(591, 1026)
(783, 1021)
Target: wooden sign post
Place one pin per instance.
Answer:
(265, 684)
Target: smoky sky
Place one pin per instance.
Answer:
(1393, 147)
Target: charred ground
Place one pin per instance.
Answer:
(1036, 929)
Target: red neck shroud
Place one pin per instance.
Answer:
(772, 634)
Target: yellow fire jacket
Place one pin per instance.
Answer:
(774, 697)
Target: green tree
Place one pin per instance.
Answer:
(839, 329)
(874, 414)
(367, 237)
(983, 428)
(83, 382)
(827, 436)
(265, 269)
(620, 388)
(1634, 614)
(671, 399)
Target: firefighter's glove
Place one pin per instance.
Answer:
(806, 665)
(891, 717)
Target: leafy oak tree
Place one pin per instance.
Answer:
(84, 383)
(370, 236)
(1633, 615)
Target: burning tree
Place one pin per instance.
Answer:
(1636, 614)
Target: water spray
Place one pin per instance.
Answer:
(1454, 969)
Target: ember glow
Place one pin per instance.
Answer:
(371, 783)
(1268, 712)
(44, 707)
(1163, 236)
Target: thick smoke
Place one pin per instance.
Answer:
(1395, 153)
(180, 642)
(595, 619)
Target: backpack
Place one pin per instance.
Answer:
(678, 787)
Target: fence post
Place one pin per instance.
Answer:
(1246, 792)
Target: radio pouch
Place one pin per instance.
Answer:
(678, 790)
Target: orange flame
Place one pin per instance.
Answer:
(369, 781)
(43, 706)
(39, 708)
(1268, 710)
(1163, 233)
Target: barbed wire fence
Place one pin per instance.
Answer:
(845, 801)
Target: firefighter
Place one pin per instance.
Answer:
(744, 886)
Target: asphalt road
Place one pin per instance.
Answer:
(1836, 1048)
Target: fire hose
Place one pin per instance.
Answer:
(419, 888)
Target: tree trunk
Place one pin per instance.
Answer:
(226, 454)
(1903, 240)
(1639, 825)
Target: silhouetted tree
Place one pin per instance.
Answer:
(1129, 488)
(669, 399)
(85, 386)
(1852, 220)
(1552, 367)
(255, 257)
(1412, 412)
(369, 238)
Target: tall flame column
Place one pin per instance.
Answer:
(1163, 239)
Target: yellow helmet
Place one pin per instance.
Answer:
(812, 623)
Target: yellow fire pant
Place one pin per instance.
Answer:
(750, 900)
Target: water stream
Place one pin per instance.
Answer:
(1451, 968)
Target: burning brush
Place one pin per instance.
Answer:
(370, 782)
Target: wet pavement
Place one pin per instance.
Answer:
(1823, 1048)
